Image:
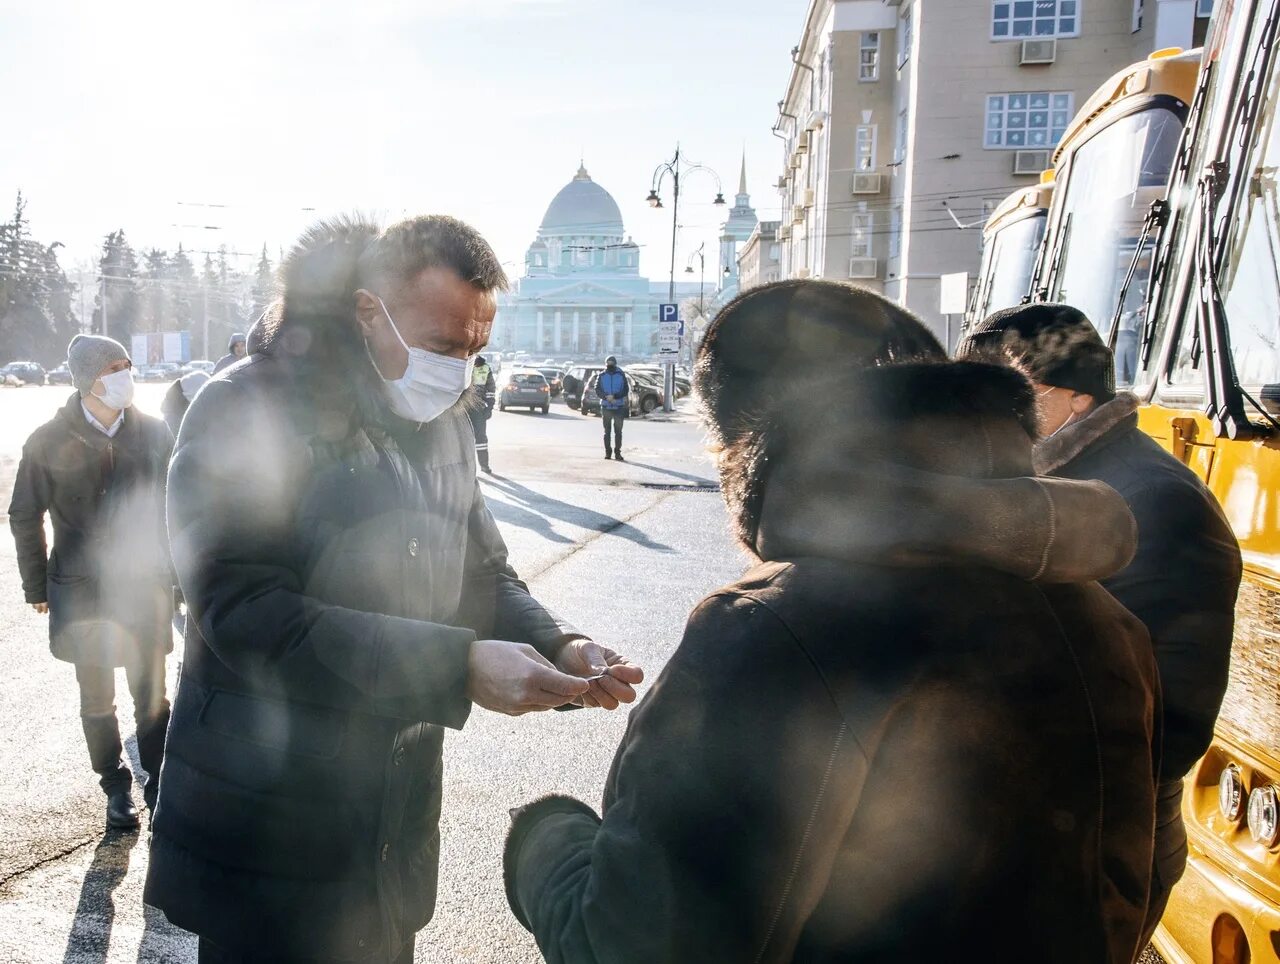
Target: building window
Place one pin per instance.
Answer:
(775, 252)
(1017, 19)
(1137, 15)
(1204, 8)
(1017, 121)
(905, 37)
(869, 57)
(895, 232)
(900, 139)
(864, 148)
(861, 247)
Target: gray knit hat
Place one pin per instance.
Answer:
(87, 355)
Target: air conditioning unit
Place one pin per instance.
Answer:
(866, 184)
(784, 232)
(1030, 162)
(808, 197)
(782, 183)
(797, 214)
(863, 268)
(1038, 52)
(795, 161)
(802, 143)
(800, 273)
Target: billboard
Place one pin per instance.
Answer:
(154, 347)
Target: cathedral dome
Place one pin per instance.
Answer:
(582, 207)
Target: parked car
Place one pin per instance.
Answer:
(60, 375)
(684, 384)
(160, 372)
(23, 373)
(525, 387)
(554, 380)
(198, 365)
(581, 373)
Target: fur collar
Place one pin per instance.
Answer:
(1066, 444)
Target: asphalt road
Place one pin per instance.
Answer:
(624, 550)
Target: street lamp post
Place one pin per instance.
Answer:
(674, 168)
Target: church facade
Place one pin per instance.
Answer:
(582, 294)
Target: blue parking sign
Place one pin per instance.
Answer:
(668, 312)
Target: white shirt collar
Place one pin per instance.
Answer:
(108, 432)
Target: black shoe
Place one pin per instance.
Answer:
(608, 456)
(486, 470)
(619, 457)
(121, 813)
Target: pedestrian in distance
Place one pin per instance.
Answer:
(349, 597)
(484, 393)
(97, 469)
(916, 730)
(178, 398)
(1183, 580)
(237, 348)
(615, 394)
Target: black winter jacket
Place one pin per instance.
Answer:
(107, 580)
(1183, 580)
(885, 743)
(337, 563)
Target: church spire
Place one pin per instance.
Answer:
(742, 178)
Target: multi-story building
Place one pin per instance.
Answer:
(582, 293)
(905, 121)
(760, 260)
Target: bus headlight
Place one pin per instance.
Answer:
(1231, 793)
(1264, 822)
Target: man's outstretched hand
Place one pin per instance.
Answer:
(586, 658)
(514, 678)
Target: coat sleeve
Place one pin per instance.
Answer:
(233, 485)
(496, 602)
(1182, 584)
(490, 392)
(728, 798)
(32, 493)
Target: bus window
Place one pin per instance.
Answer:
(1012, 257)
(1113, 179)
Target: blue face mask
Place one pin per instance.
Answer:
(431, 383)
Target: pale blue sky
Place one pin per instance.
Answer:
(114, 113)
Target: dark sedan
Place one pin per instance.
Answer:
(555, 380)
(525, 388)
(23, 372)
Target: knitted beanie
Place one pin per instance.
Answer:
(88, 355)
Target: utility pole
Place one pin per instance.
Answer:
(104, 304)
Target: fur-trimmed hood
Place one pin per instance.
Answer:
(1067, 443)
(931, 464)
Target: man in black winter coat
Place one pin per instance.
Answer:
(98, 469)
(348, 598)
(916, 730)
(1183, 580)
(237, 348)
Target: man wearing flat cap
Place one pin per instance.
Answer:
(1182, 581)
(98, 469)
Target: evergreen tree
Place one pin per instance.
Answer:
(118, 268)
(264, 286)
(35, 297)
(184, 290)
(157, 292)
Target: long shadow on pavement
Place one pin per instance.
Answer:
(90, 936)
(545, 505)
(701, 481)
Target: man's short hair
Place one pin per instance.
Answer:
(406, 249)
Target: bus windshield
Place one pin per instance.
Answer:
(1111, 183)
(1008, 264)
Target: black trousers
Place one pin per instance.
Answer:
(612, 418)
(480, 425)
(210, 954)
(145, 676)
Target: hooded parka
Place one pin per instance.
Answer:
(914, 732)
(108, 580)
(337, 563)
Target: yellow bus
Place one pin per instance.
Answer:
(1110, 166)
(1010, 241)
(1208, 371)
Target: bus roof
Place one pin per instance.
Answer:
(1172, 72)
(1021, 202)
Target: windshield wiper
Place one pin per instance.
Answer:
(1157, 217)
(1225, 406)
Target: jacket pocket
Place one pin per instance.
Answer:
(309, 731)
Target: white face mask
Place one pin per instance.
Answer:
(118, 387)
(431, 383)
